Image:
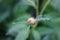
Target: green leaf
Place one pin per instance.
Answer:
(48, 37)
(42, 18)
(20, 9)
(58, 34)
(55, 4)
(28, 2)
(15, 28)
(52, 13)
(17, 25)
(53, 23)
(36, 35)
(20, 19)
(23, 16)
(23, 34)
(44, 30)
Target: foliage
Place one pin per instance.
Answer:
(14, 19)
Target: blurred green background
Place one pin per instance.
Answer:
(15, 13)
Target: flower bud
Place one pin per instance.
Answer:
(31, 20)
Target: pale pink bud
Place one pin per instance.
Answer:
(31, 20)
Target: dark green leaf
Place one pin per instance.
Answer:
(23, 34)
(36, 35)
(44, 30)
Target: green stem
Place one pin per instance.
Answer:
(30, 34)
(44, 7)
(37, 5)
(33, 27)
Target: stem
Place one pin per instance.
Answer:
(44, 7)
(33, 27)
(30, 34)
(37, 5)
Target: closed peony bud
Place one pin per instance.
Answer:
(31, 20)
